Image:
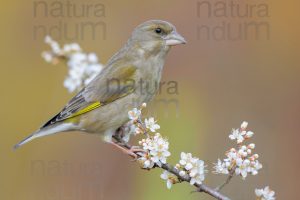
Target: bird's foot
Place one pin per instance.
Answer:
(132, 152)
(137, 150)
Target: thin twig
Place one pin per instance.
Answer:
(200, 187)
(230, 176)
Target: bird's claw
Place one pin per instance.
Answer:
(136, 151)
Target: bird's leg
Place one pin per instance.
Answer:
(133, 151)
(120, 132)
(125, 148)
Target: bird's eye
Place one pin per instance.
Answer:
(158, 30)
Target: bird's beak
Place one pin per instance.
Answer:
(174, 39)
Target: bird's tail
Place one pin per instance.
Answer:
(24, 141)
(46, 131)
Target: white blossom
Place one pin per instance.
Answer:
(134, 114)
(83, 67)
(221, 167)
(129, 130)
(192, 166)
(197, 173)
(265, 194)
(151, 124)
(157, 149)
(251, 146)
(241, 160)
(146, 161)
(81, 70)
(53, 44)
(255, 166)
(249, 134)
(134, 126)
(170, 178)
(242, 167)
(241, 134)
(237, 135)
(186, 160)
(47, 56)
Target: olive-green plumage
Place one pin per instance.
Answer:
(130, 78)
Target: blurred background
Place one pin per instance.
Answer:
(240, 63)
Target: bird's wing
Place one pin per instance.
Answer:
(108, 86)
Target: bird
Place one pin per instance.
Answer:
(130, 77)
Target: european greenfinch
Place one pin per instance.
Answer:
(130, 78)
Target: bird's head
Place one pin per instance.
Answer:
(156, 35)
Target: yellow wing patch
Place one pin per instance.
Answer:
(86, 109)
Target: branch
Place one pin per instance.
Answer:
(200, 187)
(230, 176)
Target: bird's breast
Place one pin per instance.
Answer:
(149, 76)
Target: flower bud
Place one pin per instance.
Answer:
(182, 173)
(251, 146)
(249, 151)
(249, 134)
(144, 105)
(244, 125)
